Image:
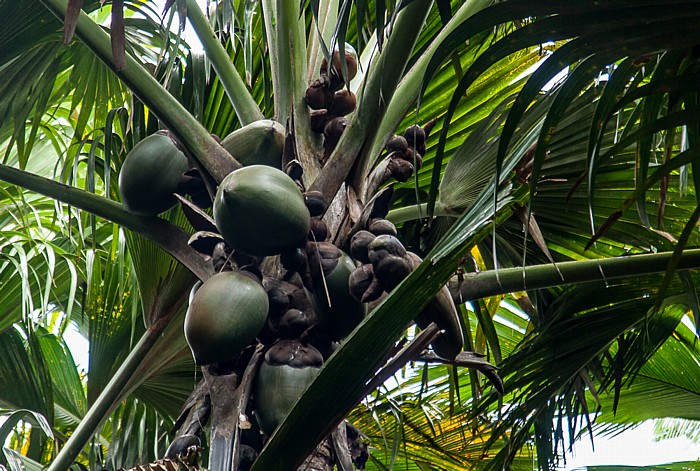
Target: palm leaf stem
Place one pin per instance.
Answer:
(193, 135)
(107, 400)
(415, 212)
(246, 108)
(380, 83)
(169, 237)
(293, 27)
(509, 280)
(280, 84)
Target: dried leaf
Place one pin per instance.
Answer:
(117, 35)
(71, 19)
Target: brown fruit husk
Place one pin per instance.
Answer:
(358, 245)
(294, 259)
(332, 132)
(397, 144)
(316, 203)
(293, 323)
(344, 102)
(360, 280)
(319, 96)
(415, 135)
(400, 169)
(384, 245)
(293, 353)
(381, 227)
(278, 299)
(334, 129)
(319, 230)
(373, 292)
(350, 60)
(415, 158)
(391, 270)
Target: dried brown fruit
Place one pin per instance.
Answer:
(380, 226)
(397, 144)
(344, 102)
(319, 96)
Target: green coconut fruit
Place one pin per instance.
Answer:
(344, 312)
(150, 175)
(260, 142)
(193, 291)
(288, 369)
(225, 315)
(260, 211)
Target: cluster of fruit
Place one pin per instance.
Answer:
(385, 263)
(329, 101)
(405, 152)
(260, 211)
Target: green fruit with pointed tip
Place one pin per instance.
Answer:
(260, 142)
(151, 174)
(287, 371)
(260, 211)
(225, 315)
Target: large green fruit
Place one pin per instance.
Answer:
(150, 175)
(260, 142)
(225, 315)
(259, 210)
(287, 371)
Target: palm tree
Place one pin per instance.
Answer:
(523, 198)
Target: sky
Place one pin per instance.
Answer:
(635, 447)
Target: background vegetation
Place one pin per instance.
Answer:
(536, 201)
